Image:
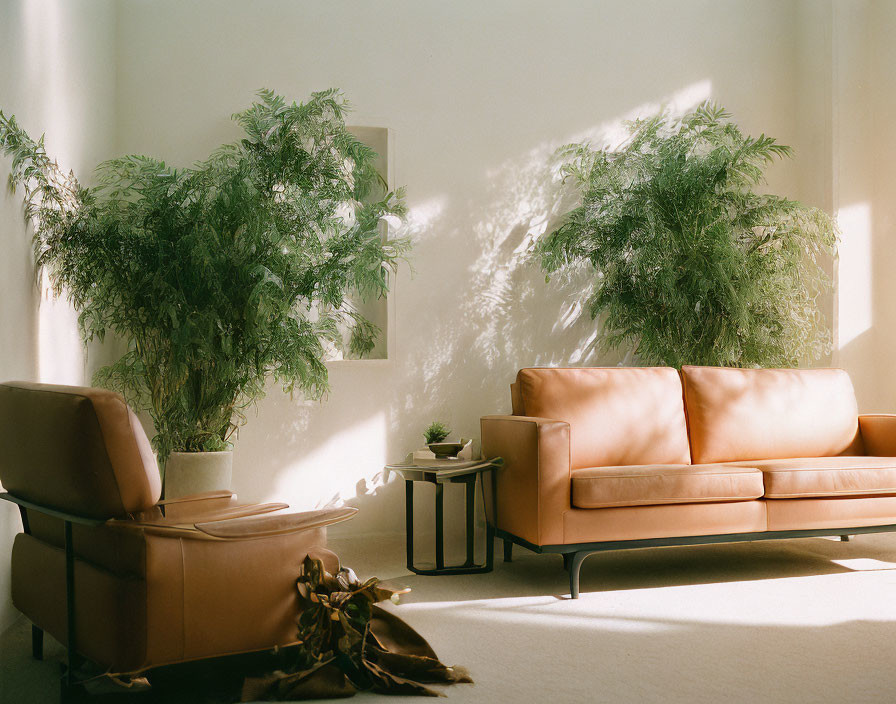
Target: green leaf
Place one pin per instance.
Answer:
(690, 265)
(222, 275)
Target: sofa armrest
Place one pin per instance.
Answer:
(534, 483)
(878, 434)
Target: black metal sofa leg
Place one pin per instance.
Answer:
(844, 538)
(37, 643)
(508, 550)
(574, 566)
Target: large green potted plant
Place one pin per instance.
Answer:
(691, 265)
(220, 276)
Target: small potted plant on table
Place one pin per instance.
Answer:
(436, 435)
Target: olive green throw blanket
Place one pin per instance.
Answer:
(348, 644)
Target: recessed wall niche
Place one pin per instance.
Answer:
(379, 311)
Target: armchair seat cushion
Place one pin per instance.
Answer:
(808, 477)
(648, 485)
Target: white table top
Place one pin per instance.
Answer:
(443, 468)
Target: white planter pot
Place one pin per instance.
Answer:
(188, 473)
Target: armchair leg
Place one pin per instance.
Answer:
(567, 560)
(575, 565)
(844, 538)
(508, 551)
(37, 643)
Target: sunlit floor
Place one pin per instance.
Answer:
(809, 620)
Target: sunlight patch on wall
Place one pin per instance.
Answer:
(61, 353)
(854, 273)
(526, 199)
(321, 482)
(678, 103)
(60, 349)
(421, 218)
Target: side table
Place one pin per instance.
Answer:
(441, 472)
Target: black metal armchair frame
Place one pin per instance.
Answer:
(69, 684)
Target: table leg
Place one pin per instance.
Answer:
(489, 547)
(409, 520)
(440, 526)
(471, 527)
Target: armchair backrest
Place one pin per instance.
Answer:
(75, 449)
(755, 414)
(616, 415)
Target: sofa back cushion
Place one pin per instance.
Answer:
(616, 416)
(753, 414)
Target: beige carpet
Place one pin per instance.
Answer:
(790, 621)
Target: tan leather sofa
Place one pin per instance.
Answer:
(126, 580)
(612, 458)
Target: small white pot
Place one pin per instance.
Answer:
(188, 473)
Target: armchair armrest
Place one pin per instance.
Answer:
(186, 509)
(197, 504)
(878, 434)
(263, 526)
(204, 496)
(533, 486)
(238, 523)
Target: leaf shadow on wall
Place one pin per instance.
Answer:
(476, 310)
(492, 313)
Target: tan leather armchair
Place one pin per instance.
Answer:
(126, 580)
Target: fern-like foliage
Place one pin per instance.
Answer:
(437, 431)
(222, 275)
(691, 265)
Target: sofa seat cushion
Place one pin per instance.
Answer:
(649, 485)
(807, 477)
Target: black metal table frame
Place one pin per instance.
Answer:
(469, 479)
(70, 686)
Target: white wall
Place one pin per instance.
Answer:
(883, 193)
(862, 89)
(478, 96)
(814, 144)
(853, 178)
(57, 59)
